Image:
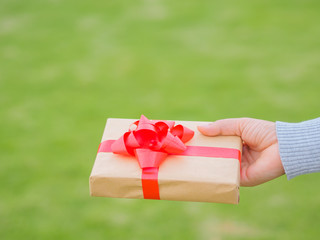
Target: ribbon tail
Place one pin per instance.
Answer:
(150, 184)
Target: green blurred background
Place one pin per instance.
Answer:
(66, 66)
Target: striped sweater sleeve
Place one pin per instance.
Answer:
(299, 147)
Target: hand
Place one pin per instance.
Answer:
(260, 156)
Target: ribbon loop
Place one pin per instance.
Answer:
(148, 158)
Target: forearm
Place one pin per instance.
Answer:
(299, 147)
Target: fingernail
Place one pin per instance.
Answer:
(204, 126)
(208, 124)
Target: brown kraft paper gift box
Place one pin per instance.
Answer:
(180, 178)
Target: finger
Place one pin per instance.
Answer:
(226, 127)
(264, 169)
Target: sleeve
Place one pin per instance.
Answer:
(299, 147)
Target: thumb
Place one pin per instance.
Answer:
(225, 127)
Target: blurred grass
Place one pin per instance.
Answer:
(65, 66)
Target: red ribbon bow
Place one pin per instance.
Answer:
(151, 141)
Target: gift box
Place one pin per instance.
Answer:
(185, 165)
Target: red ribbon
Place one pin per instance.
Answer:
(151, 142)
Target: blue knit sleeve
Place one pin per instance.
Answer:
(299, 147)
